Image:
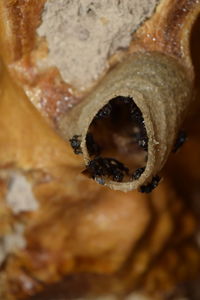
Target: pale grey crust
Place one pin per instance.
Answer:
(20, 199)
(83, 34)
(159, 87)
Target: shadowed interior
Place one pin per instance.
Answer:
(117, 142)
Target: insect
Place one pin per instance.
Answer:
(127, 100)
(104, 112)
(140, 135)
(92, 147)
(136, 175)
(150, 186)
(76, 144)
(142, 141)
(117, 175)
(136, 114)
(107, 167)
(141, 138)
(100, 180)
(182, 136)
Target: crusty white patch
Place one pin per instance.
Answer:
(20, 197)
(82, 34)
(12, 242)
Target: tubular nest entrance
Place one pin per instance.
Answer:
(117, 142)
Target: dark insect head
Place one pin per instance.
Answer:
(76, 144)
(136, 175)
(136, 114)
(104, 112)
(140, 134)
(141, 138)
(182, 136)
(100, 180)
(150, 186)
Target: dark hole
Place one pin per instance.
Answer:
(117, 141)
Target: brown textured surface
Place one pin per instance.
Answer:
(168, 33)
(160, 88)
(163, 32)
(96, 232)
(169, 30)
(22, 18)
(63, 233)
(46, 89)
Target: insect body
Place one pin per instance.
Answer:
(136, 114)
(136, 175)
(150, 186)
(109, 167)
(141, 138)
(76, 144)
(140, 135)
(104, 112)
(182, 136)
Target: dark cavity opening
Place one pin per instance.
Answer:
(117, 142)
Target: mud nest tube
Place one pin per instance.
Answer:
(117, 142)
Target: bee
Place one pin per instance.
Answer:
(76, 144)
(136, 175)
(100, 180)
(182, 136)
(136, 114)
(104, 112)
(92, 147)
(140, 134)
(109, 167)
(141, 138)
(127, 100)
(148, 188)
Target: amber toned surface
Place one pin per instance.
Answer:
(168, 31)
(128, 240)
(46, 89)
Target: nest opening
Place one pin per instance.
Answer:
(117, 142)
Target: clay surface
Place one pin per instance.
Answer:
(82, 34)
